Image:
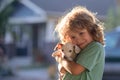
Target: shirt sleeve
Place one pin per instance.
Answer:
(89, 57)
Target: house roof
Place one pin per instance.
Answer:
(4, 3)
(22, 11)
(99, 6)
(26, 12)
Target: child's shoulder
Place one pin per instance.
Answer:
(95, 44)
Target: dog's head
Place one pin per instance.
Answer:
(68, 49)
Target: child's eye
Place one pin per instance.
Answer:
(81, 33)
(70, 50)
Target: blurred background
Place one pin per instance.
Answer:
(27, 37)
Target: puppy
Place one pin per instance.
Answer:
(67, 51)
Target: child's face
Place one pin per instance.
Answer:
(80, 37)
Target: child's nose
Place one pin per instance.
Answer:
(76, 41)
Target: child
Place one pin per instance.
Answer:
(81, 27)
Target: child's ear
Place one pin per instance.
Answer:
(58, 46)
(77, 49)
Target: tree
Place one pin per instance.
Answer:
(4, 15)
(113, 19)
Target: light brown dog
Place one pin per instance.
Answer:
(67, 51)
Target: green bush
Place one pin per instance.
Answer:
(112, 19)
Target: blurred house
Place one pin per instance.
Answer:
(25, 28)
(27, 20)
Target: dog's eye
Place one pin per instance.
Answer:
(70, 50)
(62, 50)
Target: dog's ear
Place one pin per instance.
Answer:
(77, 49)
(58, 46)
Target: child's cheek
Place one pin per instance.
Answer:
(68, 39)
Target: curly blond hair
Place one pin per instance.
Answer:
(81, 18)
